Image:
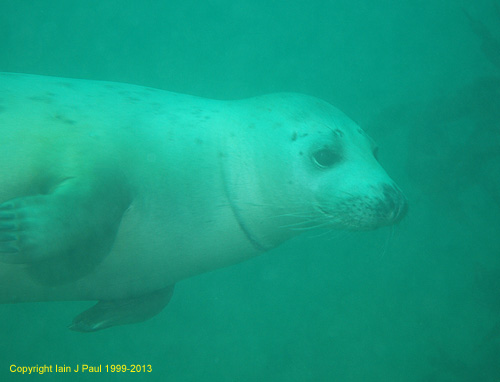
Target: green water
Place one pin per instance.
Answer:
(417, 303)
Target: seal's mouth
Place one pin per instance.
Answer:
(362, 213)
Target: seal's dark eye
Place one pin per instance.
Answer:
(326, 158)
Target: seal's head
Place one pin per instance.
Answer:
(314, 168)
(350, 188)
(338, 162)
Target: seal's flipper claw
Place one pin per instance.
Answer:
(8, 253)
(29, 229)
(105, 314)
(8, 249)
(15, 242)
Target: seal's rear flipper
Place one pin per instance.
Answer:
(105, 314)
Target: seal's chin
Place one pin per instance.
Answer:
(361, 213)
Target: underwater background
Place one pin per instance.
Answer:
(417, 302)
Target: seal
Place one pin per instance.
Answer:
(115, 192)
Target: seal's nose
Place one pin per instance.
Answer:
(394, 204)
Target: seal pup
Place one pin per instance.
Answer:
(115, 192)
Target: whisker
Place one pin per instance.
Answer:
(311, 227)
(323, 233)
(301, 223)
(387, 241)
(293, 215)
(336, 234)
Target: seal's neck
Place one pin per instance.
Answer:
(252, 238)
(248, 185)
(262, 223)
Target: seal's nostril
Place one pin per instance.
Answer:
(395, 205)
(403, 208)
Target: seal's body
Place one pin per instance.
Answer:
(115, 192)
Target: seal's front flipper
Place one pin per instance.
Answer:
(76, 217)
(105, 314)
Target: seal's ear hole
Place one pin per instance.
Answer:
(375, 152)
(325, 158)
